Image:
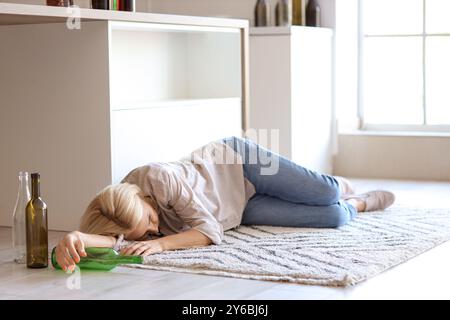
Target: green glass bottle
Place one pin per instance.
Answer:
(36, 227)
(298, 12)
(101, 259)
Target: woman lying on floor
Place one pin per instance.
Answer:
(191, 202)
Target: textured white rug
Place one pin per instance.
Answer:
(369, 245)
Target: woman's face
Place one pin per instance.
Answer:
(148, 224)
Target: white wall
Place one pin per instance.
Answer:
(394, 157)
(346, 63)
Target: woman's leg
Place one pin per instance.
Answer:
(267, 210)
(290, 182)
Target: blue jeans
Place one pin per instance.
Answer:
(292, 197)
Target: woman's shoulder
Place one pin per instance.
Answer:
(149, 171)
(216, 152)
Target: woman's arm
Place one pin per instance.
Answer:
(96, 240)
(187, 239)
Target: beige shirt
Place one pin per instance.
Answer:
(206, 191)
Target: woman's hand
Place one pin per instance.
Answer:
(143, 248)
(69, 250)
(186, 239)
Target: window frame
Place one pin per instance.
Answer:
(365, 126)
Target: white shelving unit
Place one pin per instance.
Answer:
(84, 107)
(291, 86)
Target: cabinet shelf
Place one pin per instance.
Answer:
(16, 14)
(273, 31)
(173, 63)
(137, 26)
(137, 105)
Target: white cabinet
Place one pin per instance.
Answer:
(291, 81)
(169, 131)
(83, 107)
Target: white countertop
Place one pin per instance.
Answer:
(13, 14)
(274, 31)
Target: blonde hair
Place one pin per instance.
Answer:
(114, 210)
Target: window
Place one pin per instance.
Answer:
(404, 80)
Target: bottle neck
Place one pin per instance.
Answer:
(35, 187)
(24, 188)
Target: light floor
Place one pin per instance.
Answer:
(424, 277)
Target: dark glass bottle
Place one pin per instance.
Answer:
(127, 5)
(101, 259)
(298, 12)
(283, 13)
(313, 14)
(36, 227)
(262, 13)
(100, 4)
